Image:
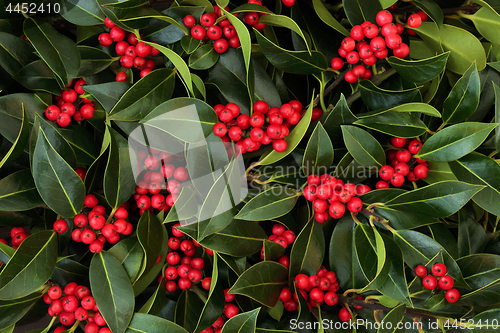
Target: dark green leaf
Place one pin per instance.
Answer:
(377, 98)
(142, 322)
(359, 11)
(327, 18)
(482, 274)
(269, 204)
(486, 321)
(238, 239)
(471, 235)
(394, 123)
(296, 62)
(308, 250)
(18, 192)
(463, 98)
(68, 270)
(93, 60)
(112, 291)
(156, 302)
(188, 309)
(190, 44)
(14, 53)
(81, 140)
(432, 9)
(58, 51)
(454, 142)
(272, 250)
(187, 119)
(56, 181)
(13, 310)
(242, 323)
(119, 182)
(403, 219)
(38, 76)
(107, 94)
(363, 146)
(11, 113)
(437, 200)
(465, 47)
(479, 169)
(82, 12)
(420, 71)
(144, 96)
(292, 140)
(419, 249)
(395, 317)
(286, 22)
(30, 267)
(262, 282)
(319, 151)
(497, 116)
(203, 58)
(150, 234)
(19, 145)
(130, 254)
(340, 115)
(184, 208)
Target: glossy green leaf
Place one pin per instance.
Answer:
(203, 58)
(189, 44)
(439, 172)
(38, 76)
(269, 204)
(465, 47)
(296, 62)
(363, 146)
(112, 291)
(432, 9)
(30, 267)
(11, 113)
(107, 94)
(145, 95)
(242, 323)
(184, 207)
(327, 18)
(377, 98)
(319, 151)
(395, 317)
(56, 181)
(58, 51)
(437, 200)
(262, 282)
(486, 321)
(14, 53)
(272, 250)
(93, 60)
(130, 254)
(156, 302)
(403, 219)
(420, 71)
(119, 182)
(471, 235)
(394, 123)
(214, 305)
(417, 107)
(188, 310)
(18, 192)
(463, 98)
(179, 64)
(292, 140)
(308, 250)
(142, 322)
(455, 141)
(479, 169)
(19, 145)
(187, 119)
(11, 311)
(238, 239)
(486, 21)
(359, 11)
(419, 249)
(340, 115)
(82, 12)
(372, 256)
(285, 22)
(150, 234)
(481, 272)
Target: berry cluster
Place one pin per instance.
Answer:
(330, 196)
(369, 42)
(17, 235)
(265, 126)
(283, 237)
(75, 302)
(69, 104)
(223, 33)
(133, 53)
(252, 18)
(159, 166)
(92, 228)
(183, 264)
(438, 280)
(402, 164)
(315, 289)
(414, 21)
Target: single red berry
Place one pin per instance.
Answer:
(429, 282)
(117, 34)
(383, 17)
(420, 171)
(414, 21)
(198, 32)
(351, 77)
(288, 3)
(109, 23)
(60, 226)
(354, 205)
(52, 112)
(420, 271)
(345, 315)
(221, 45)
(452, 295)
(414, 146)
(337, 210)
(189, 21)
(403, 156)
(330, 298)
(439, 269)
(301, 281)
(402, 51)
(357, 33)
(105, 39)
(348, 44)
(446, 282)
(397, 179)
(402, 168)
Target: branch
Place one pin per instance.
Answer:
(332, 86)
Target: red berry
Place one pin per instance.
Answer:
(398, 142)
(344, 315)
(337, 210)
(348, 44)
(402, 168)
(402, 51)
(221, 45)
(370, 30)
(414, 146)
(420, 271)
(414, 21)
(446, 282)
(350, 77)
(109, 23)
(393, 41)
(189, 21)
(301, 281)
(198, 32)
(354, 205)
(60, 226)
(121, 77)
(452, 295)
(105, 39)
(429, 282)
(229, 31)
(383, 17)
(439, 269)
(397, 179)
(357, 33)
(420, 171)
(117, 34)
(352, 57)
(403, 156)
(337, 63)
(330, 298)
(288, 3)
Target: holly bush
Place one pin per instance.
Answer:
(250, 166)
